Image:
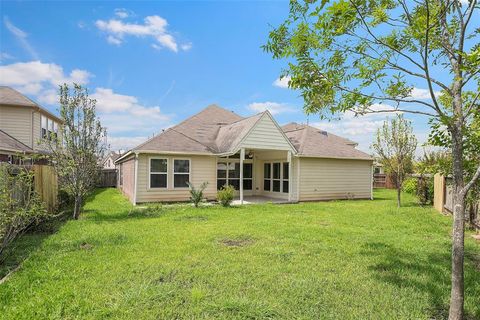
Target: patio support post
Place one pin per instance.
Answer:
(242, 157)
(290, 175)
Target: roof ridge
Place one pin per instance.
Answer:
(204, 109)
(243, 118)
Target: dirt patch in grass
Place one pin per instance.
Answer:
(237, 242)
(86, 246)
(192, 218)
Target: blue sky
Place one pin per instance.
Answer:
(152, 64)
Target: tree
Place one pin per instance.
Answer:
(76, 151)
(395, 146)
(368, 55)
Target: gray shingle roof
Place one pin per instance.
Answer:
(215, 130)
(11, 97)
(313, 142)
(9, 143)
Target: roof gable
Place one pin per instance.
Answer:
(266, 134)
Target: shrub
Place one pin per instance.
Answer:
(20, 205)
(196, 195)
(425, 190)
(410, 186)
(225, 195)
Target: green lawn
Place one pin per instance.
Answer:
(328, 260)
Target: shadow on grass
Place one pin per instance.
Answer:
(25, 245)
(428, 275)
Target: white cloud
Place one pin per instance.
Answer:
(418, 93)
(153, 26)
(125, 143)
(273, 107)
(360, 129)
(40, 79)
(5, 56)
(122, 13)
(122, 115)
(282, 82)
(21, 37)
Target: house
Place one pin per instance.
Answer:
(109, 160)
(378, 168)
(23, 124)
(255, 155)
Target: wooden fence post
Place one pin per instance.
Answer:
(438, 192)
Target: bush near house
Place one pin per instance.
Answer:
(225, 195)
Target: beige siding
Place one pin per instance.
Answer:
(325, 179)
(128, 181)
(265, 135)
(37, 131)
(17, 122)
(202, 168)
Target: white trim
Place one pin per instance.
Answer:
(298, 179)
(371, 182)
(149, 187)
(289, 159)
(135, 180)
(189, 173)
(242, 157)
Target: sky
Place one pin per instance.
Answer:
(150, 65)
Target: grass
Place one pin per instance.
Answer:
(329, 260)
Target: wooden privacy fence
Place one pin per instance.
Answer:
(46, 185)
(443, 194)
(107, 178)
(381, 180)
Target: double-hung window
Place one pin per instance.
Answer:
(276, 177)
(267, 176)
(158, 173)
(181, 173)
(44, 126)
(285, 177)
(228, 173)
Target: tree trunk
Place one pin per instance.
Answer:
(399, 192)
(457, 291)
(77, 208)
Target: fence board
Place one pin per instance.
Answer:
(107, 178)
(46, 185)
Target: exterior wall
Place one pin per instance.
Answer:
(17, 122)
(266, 135)
(37, 131)
(327, 179)
(128, 181)
(202, 168)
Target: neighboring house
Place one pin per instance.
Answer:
(109, 161)
(378, 168)
(23, 124)
(255, 155)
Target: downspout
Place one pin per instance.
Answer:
(135, 180)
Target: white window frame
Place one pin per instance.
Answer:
(282, 175)
(150, 173)
(279, 179)
(271, 179)
(228, 161)
(42, 116)
(183, 173)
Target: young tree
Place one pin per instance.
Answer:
(76, 151)
(395, 146)
(360, 54)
